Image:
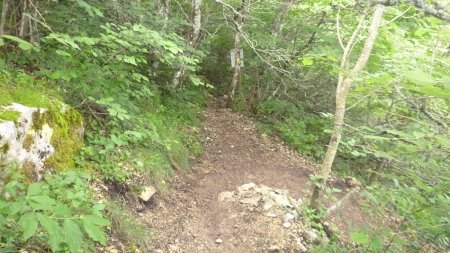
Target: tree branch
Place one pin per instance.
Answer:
(434, 9)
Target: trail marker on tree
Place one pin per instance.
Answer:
(237, 57)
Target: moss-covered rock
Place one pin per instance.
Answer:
(36, 128)
(8, 115)
(67, 138)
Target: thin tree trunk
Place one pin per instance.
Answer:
(34, 25)
(193, 41)
(236, 71)
(3, 17)
(239, 24)
(164, 10)
(197, 22)
(23, 19)
(342, 90)
(276, 25)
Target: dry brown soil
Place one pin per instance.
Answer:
(191, 219)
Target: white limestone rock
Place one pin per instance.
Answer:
(19, 141)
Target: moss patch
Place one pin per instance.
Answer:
(9, 115)
(24, 89)
(29, 140)
(4, 149)
(65, 138)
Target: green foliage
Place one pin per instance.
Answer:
(56, 213)
(22, 44)
(18, 87)
(125, 228)
(368, 241)
(152, 144)
(8, 115)
(304, 132)
(332, 247)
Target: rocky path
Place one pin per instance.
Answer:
(193, 218)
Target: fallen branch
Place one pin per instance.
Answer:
(342, 200)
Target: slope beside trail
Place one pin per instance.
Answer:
(192, 219)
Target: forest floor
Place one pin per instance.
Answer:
(205, 211)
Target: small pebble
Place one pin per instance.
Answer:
(271, 215)
(274, 248)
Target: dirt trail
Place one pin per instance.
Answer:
(191, 219)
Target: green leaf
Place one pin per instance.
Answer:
(34, 189)
(420, 32)
(18, 207)
(97, 220)
(3, 204)
(433, 91)
(443, 140)
(92, 225)
(62, 211)
(130, 60)
(307, 61)
(360, 237)
(53, 230)
(374, 137)
(41, 202)
(89, 8)
(376, 245)
(97, 208)
(29, 224)
(63, 53)
(419, 77)
(2, 221)
(196, 81)
(95, 232)
(24, 45)
(73, 236)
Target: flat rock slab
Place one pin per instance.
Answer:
(147, 193)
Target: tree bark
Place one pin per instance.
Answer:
(164, 10)
(3, 17)
(193, 40)
(342, 90)
(276, 25)
(236, 71)
(197, 22)
(239, 24)
(23, 19)
(433, 8)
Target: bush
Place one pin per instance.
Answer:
(56, 214)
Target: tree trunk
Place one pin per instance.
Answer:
(197, 22)
(342, 90)
(164, 10)
(193, 41)
(3, 17)
(236, 71)
(23, 19)
(276, 25)
(239, 24)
